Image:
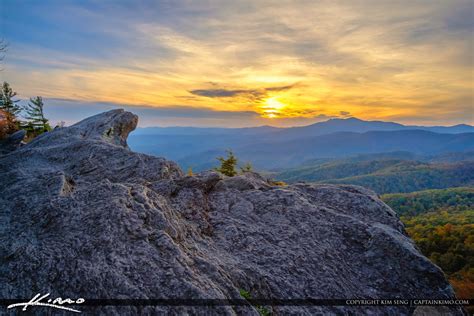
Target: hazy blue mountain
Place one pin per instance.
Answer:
(268, 147)
(392, 155)
(456, 129)
(274, 154)
(357, 125)
(326, 127)
(339, 125)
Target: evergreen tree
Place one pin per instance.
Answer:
(10, 107)
(6, 100)
(228, 164)
(37, 123)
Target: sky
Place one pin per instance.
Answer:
(244, 63)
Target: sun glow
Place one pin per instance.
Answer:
(237, 65)
(272, 108)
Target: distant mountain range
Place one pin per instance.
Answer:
(326, 127)
(359, 126)
(269, 147)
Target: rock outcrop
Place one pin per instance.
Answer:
(83, 216)
(12, 142)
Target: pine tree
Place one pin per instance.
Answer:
(37, 123)
(228, 164)
(10, 107)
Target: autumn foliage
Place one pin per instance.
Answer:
(441, 222)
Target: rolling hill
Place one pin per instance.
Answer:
(385, 175)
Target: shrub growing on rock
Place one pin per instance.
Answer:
(228, 164)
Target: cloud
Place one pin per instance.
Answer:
(254, 94)
(71, 111)
(222, 93)
(283, 88)
(344, 113)
(374, 59)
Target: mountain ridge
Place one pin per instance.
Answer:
(370, 125)
(268, 148)
(266, 154)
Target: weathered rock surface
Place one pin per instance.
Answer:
(83, 216)
(12, 142)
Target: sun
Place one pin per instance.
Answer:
(272, 107)
(273, 103)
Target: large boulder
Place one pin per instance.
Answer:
(83, 216)
(12, 142)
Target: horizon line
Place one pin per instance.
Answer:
(302, 126)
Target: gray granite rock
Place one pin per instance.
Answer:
(83, 216)
(12, 142)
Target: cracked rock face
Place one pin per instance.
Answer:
(83, 216)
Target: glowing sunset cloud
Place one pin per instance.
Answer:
(248, 62)
(272, 108)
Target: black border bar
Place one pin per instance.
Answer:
(262, 302)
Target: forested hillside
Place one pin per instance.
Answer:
(385, 176)
(441, 222)
(454, 200)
